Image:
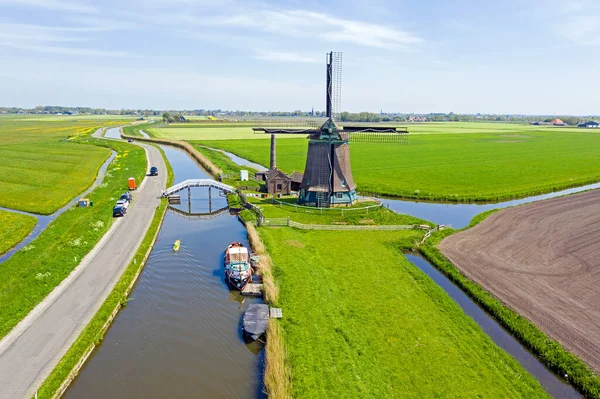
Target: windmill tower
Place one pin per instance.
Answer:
(327, 179)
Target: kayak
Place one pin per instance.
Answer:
(176, 245)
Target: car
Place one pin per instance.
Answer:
(123, 203)
(126, 196)
(119, 210)
(130, 140)
(154, 171)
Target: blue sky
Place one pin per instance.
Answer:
(511, 56)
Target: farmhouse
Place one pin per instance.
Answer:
(558, 122)
(592, 124)
(278, 182)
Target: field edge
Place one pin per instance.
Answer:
(548, 351)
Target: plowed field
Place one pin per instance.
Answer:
(542, 260)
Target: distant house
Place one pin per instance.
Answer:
(591, 124)
(558, 122)
(278, 182)
(182, 118)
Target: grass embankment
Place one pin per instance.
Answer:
(230, 170)
(41, 171)
(361, 320)
(15, 227)
(277, 374)
(92, 335)
(356, 215)
(549, 351)
(33, 272)
(454, 167)
(207, 164)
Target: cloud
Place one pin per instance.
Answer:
(58, 50)
(573, 20)
(301, 23)
(56, 5)
(284, 57)
(581, 29)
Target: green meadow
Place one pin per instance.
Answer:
(15, 227)
(40, 170)
(479, 166)
(361, 321)
(34, 271)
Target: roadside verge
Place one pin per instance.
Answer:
(69, 366)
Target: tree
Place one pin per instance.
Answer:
(166, 117)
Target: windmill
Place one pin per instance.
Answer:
(327, 179)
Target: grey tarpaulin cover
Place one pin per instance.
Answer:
(256, 319)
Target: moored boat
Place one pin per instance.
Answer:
(238, 271)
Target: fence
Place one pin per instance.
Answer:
(321, 211)
(273, 222)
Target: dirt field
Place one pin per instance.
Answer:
(543, 260)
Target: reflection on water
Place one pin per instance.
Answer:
(551, 383)
(180, 334)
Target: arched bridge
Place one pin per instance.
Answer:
(198, 183)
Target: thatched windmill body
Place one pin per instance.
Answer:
(327, 179)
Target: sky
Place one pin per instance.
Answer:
(463, 56)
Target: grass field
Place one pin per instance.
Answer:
(15, 227)
(455, 167)
(40, 171)
(33, 272)
(362, 321)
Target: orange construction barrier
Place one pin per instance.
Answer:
(131, 182)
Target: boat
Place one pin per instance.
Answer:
(255, 321)
(238, 271)
(176, 245)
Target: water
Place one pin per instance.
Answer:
(113, 133)
(43, 221)
(144, 134)
(459, 215)
(241, 161)
(180, 334)
(555, 386)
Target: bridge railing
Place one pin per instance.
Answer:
(198, 183)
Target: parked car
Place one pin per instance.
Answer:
(154, 171)
(119, 210)
(130, 140)
(122, 202)
(126, 196)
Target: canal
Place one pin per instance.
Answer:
(179, 335)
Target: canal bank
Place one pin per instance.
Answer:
(180, 332)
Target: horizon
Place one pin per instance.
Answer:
(533, 58)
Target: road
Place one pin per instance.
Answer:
(31, 351)
(542, 260)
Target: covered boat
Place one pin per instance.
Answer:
(238, 271)
(255, 321)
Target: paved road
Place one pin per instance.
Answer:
(34, 347)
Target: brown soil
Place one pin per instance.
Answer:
(542, 260)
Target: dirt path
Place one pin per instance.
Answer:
(33, 348)
(542, 260)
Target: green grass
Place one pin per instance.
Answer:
(357, 215)
(362, 321)
(455, 167)
(15, 227)
(31, 273)
(95, 330)
(41, 171)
